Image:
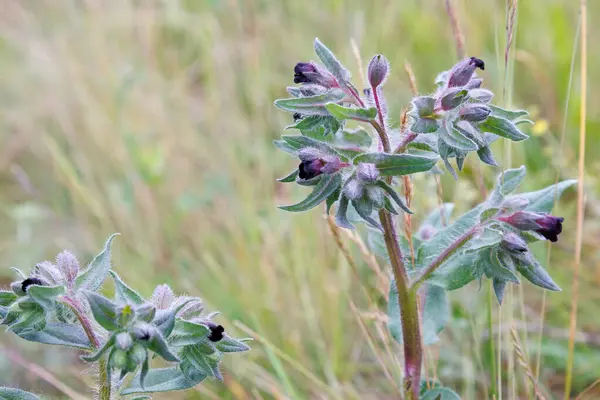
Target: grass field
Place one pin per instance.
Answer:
(155, 119)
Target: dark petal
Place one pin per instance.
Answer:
(301, 78)
(30, 281)
(303, 67)
(297, 116)
(551, 235)
(216, 333)
(478, 62)
(301, 172)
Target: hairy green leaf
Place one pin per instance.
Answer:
(332, 64)
(124, 293)
(59, 333)
(163, 380)
(327, 185)
(502, 127)
(399, 164)
(188, 333)
(359, 114)
(7, 393)
(104, 311)
(97, 270)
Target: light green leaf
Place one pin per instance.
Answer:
(7, 297)
(231, 345)
(97, 270)
(543, 200)
(192, 360)
(163, 380)
(392, 193)
(332, 64)
(440, 394)
(455, 139)
(124, 293)
(104, 310)
(488, 237)
(291, 177)
(359, 114)
(341, 219)
(327, 185)
(45, 296)
(537, 275)
(357, 137)
(399, 164)
(105, 347)
(502, 127)
(507, 114)
(313, 105)
(16, 394)
(317, 127)
(158, 345)
(188, 333)
(509, 181)
(301, 142)
(58, 333)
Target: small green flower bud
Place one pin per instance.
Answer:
(378, 70)
(125, 314)
(119, 359)
(138, 353)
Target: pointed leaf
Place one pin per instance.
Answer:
(317, 127)
(499, 286)
(231, 345)
(507, 114)
(16, 394)
(454, 138)
(340, 218)
(332, 64)
(485, 155)
(97, 270)
(399, 164)
(311, 104)
(104, 310)
(392, 193)
(543, 200)
(163, 380)
(301, 142)
(7, 297)
(359, 114)
(537, 275)
(45, 296)
(124, 293)
(158, 345)
(364, 208)
(327, 185)
(291, 177)
(59, 333)
(440, 394)
(96, 356)
(188, 333)
(502, 127)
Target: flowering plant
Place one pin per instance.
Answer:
(60, 304)
(356, 172)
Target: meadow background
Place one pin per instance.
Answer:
(155, 119)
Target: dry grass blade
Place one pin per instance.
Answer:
(580, 201)
(457, 33)
(524, 362)
(588, 390)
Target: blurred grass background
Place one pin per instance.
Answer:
(155, 119)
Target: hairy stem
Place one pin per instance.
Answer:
(409, 137)
(409, 314)
(103, 378)
(444, 255)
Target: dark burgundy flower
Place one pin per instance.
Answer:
(216, 332)
(546, 225)
(312, 73)
(314, 163)
(30, 281)
(461, 73)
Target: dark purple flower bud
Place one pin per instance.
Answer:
(216, 331)
(314, 163)
(378, 70)
(30, 281)
(475, 112)
(297, 116)
(546, 225)
(462, 72)
(513, 243)
(313, 73)
(142, 332)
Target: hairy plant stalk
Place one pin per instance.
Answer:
(104, 389)
(409, 314)
(444, 255)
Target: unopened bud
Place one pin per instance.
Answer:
(315, 163)
(145, 312)
(124, 341)
(513, 243)
(475, 112)
(378, 70)
(313, 73)
(462, 72)
(68, 265)
(474, 83)
(367, 172)
(481, 95)
(119, 359)
(163, 297)
(143, 332)
(453, 98)
(546, 225)
(125, 314)
(353, 189)
(138, 354)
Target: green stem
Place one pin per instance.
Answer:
(409, 314)
(86, 324)
(443, 256)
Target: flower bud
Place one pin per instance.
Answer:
(475, 112)
(481, 95)
(68, 265)
(30, 281)
(474, 83)
(367, 172)
(142, 332)
(48, 272)
(453, 98)
(315, 163)
(138, 354)
(513, 243)
(353, 189)
(145, 312)
(17, 288)
(312, 73)
(427, 231)
(119, 359)
(546, 225)
(462, 72)
(378, 70)
(216, 331)
(125, 314)
(124, 341)
(163, 297)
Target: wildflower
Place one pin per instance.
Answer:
(546, 225)
(313, 73)
(475, 112)
(314, 163)
(216, 332)
(30, 281)
(461, 73)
